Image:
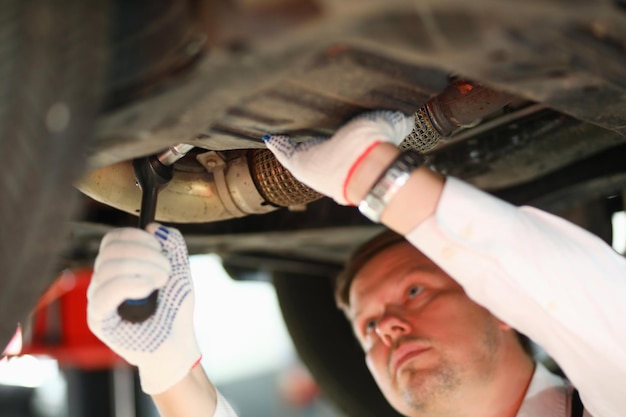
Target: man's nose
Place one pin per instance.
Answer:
(390, 327)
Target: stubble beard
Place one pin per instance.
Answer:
(425, 390)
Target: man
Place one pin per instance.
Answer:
(436, 323)
(432, 350)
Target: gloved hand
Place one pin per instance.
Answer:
(130, 265)
(326, 164)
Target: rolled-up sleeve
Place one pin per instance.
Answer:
(549, 279)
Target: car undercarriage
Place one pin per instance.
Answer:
(526, 100)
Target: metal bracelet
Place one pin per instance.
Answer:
(388, 184)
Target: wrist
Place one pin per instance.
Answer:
(389, 184)
(416, 200)
(170, 366)
(192, 396)
(369, 170)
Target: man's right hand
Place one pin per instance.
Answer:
(130, 265)
(327, 164)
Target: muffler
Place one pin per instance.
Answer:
(205, 187)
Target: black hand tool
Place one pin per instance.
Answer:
(152, 174)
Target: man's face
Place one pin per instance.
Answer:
(428, 346)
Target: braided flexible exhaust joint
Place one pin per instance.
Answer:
(275, 183)
(460, 105)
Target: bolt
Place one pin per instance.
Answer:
(210, 164)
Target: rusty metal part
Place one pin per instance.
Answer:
(277, 184)
(462, 104)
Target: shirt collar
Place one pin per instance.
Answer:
(546, 395)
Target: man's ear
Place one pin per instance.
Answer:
(503, 326)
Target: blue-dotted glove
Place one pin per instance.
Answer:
(130, 265)
(326, 164)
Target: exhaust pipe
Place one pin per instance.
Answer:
(462, 104)
(225, 185)
(214, 187)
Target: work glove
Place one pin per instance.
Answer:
(131, 264)
(326, 164)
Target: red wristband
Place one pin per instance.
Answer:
(196, 363)
(353, 168)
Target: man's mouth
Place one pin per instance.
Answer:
(405, 352)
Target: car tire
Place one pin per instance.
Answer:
(325, 343)
(52, 64)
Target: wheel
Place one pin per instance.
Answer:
(52, 62)
(325, 343)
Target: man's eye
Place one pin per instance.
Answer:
(370, 326)
(415, 290)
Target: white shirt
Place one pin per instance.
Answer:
(548, 395)
(556, 283)
(223, 407)
(551, 280)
